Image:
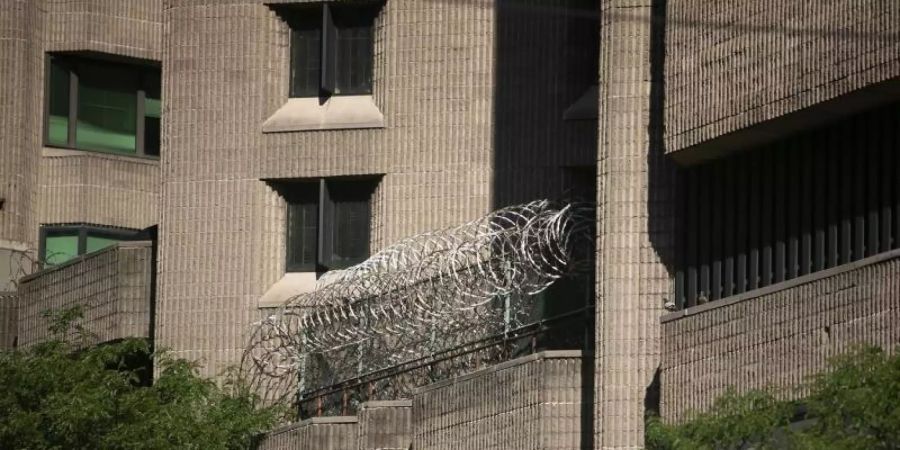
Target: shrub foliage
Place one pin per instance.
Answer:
(853, 406)
(59, 395)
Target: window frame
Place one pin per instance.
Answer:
(325, 259)
(329, 37)
(69, 61)
(83, 231)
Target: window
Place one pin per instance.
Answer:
(102, 106)
(328, 224)
(331, 48)
(62, 243)
(805, 203)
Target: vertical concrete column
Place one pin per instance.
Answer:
(634, 209)
(21, 75)
(385, 425)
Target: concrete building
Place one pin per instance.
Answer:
(743, 157)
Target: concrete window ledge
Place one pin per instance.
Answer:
(336, 113)
(291, 284)
(53, 152)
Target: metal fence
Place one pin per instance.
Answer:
(571, 330)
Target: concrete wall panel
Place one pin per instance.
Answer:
(779, 335)
(533, 402)
(732, 65)
(112, 287)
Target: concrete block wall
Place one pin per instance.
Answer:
(779, 335)
(385, 425)
(38, 189)
(534, 402)
(226, 72)
(733, 65)
(131, 28)
(89, 187)
(112, 286)
(323, 433)
(635, 210)
(21, 69)
(8, 319)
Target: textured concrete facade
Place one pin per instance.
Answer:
(534, 402)
(434, 78)
(734, 65)
(57, 186)
(473, 96)
(89, 187)
(21, 69)
(53, 186)
(385, 425)
(112, 287)
(326, 433)
(222, 229)
(8, 320)
(780, 335)
(635, 229)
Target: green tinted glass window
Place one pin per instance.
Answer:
(95, 243)
(59, 249)
(58, 108)
(107, 109)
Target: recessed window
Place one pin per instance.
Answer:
(62, 243)
(331, 48)
(328, 222)
(102, 106)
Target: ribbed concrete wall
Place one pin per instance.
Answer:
(222, 229)
(37, 190)
(111, 286)
(385, 425)
(533, 402)
(123, 27)
(100, 189)
(734, 64)
(635, 225)
(8, 320)
(21, 72)
(326, 433)
(780, 335)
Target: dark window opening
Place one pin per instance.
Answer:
(328, 223)
(809, 202)
(102, 106)
(331, 48)
(61, 243)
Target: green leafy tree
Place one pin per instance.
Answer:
(62, 395)
(855, 405)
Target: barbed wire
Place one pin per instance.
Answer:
(423, 293)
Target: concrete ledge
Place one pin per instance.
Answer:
(291, 284)
(805, 279)
(387, 404)
(55, 152)
(336, 113)
(547, 354)
(314, 421)
(81, 258)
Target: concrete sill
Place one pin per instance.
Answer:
(56, 152)
(290, 285)
(336, 113)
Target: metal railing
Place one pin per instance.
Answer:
(571, 330)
